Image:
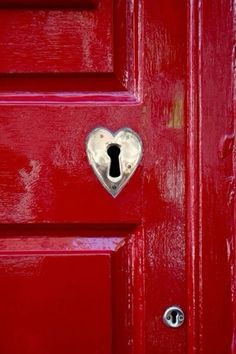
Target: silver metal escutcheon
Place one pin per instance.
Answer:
(114, 157)
(173, 317)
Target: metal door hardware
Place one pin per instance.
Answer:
(114, 157)
(174, 317)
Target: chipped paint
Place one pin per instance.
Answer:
(24, 209)
(176, 119)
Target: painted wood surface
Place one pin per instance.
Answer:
(81, 271)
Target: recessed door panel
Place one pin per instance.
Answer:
(55, 304)
(61, 294)
(56, 40)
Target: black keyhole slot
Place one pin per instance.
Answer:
(173, 316)
(113, 152)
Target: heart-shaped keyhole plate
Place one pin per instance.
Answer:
(114, 156)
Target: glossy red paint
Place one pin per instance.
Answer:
(211, 242)
(64, 29)
(81, 271)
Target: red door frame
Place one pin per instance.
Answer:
(210, 179)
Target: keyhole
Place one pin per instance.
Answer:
(113, 152)
(174, 317)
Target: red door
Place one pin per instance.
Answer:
(82, 272)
